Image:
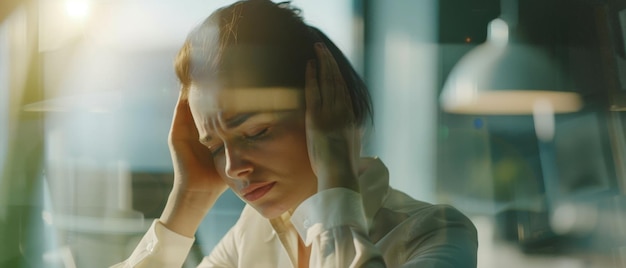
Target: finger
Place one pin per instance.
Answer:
(326, 73)
(182, 121)
(341, 93)
(312, 93)
(335, 93)
(315, 110)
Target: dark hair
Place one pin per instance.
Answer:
(258, 43)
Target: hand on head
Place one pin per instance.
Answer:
(193, 164)
(332, 133)
(197, 185)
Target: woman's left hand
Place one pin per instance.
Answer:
(333, 138)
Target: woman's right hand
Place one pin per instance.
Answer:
(197, 185)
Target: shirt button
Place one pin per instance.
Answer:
(307, 223)
(150, 247)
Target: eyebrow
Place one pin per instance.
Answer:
(232, 122)
(239, 119)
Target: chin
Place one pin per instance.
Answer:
(271, 211)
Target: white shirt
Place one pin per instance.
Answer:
(380, 227)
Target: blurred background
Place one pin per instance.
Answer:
(512, 111)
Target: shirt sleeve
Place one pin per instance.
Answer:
(333, 223)
(159, 247)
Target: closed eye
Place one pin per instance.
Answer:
(258, 134)
(216, 149)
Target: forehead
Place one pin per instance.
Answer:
(208, 101)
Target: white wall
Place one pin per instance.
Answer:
(402, 75)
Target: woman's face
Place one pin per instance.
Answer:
(258, 144)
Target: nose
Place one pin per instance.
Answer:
(237, 167)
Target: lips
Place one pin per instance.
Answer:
(257, 190)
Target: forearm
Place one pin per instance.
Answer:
(334, 166)
(185, 210)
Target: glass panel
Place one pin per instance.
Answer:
(110, 92)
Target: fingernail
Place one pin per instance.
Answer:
(312, 63)
(319, 45)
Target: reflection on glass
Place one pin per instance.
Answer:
(543, 190)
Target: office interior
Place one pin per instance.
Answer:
(510, 110)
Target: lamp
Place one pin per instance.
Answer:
(500, 77)
(506, 77)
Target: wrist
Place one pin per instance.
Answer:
(337, 179)
(185, 210)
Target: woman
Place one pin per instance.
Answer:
(272, 109)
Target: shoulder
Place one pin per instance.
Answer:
(429, 234)
(435, 217)
(423, 218)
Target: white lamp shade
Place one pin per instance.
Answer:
(502, 78)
